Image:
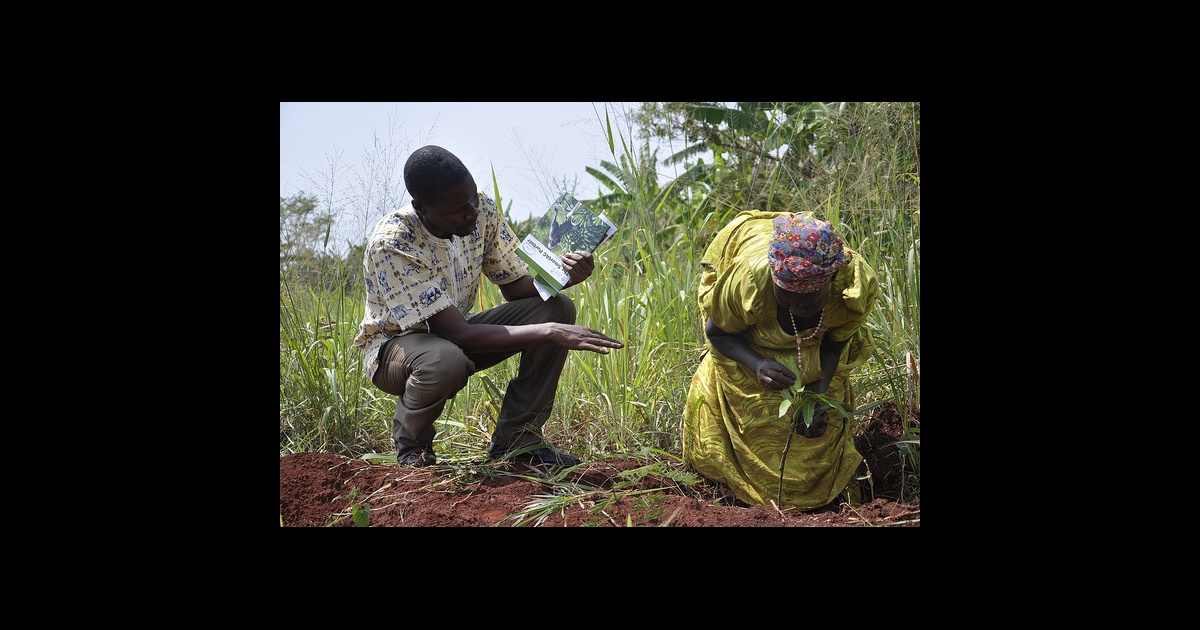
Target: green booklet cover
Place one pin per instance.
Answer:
(567, 226)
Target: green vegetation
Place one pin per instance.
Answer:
(854, 164)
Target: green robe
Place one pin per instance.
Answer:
(732, 431)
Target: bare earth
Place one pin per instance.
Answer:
(323, 490)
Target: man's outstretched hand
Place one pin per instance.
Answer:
(574, 337)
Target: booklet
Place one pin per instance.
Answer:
(567, 226)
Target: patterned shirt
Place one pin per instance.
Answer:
(412, 275)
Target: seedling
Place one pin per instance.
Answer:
(809, 405)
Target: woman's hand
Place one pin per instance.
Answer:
(819, 386)
(819, 422)
(774, 375)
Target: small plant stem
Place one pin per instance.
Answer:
(782, 462)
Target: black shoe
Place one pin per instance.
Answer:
(416, 456)
(544, 454)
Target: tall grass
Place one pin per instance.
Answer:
(643, 293)
(325, 402)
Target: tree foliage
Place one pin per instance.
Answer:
(303, 229)
(304, 255)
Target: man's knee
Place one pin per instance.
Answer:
(446, 365)
(562, 309)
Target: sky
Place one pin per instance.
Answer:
(533, 147)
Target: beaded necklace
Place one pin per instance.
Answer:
(817, 330)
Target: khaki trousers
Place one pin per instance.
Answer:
(424, 371)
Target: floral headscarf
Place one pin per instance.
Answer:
(804, 252)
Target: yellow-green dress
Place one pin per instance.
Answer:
(732, 431)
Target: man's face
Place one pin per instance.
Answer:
(455, 211)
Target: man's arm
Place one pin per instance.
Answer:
(580, 266)
(450, 324)
(520, 288)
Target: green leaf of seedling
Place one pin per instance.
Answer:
(806, 411)
(806, 405)
(361, 514)
(808, 402)
(789, 395)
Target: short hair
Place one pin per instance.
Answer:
(432, 170)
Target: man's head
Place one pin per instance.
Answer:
(431, 170)
(443, 191)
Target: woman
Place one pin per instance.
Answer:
(784, 305)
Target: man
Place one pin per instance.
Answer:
(419, 340)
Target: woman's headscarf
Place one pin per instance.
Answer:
(804, 252)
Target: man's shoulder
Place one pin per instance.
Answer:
(488, 210)
(405, 216)
(399, 231)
